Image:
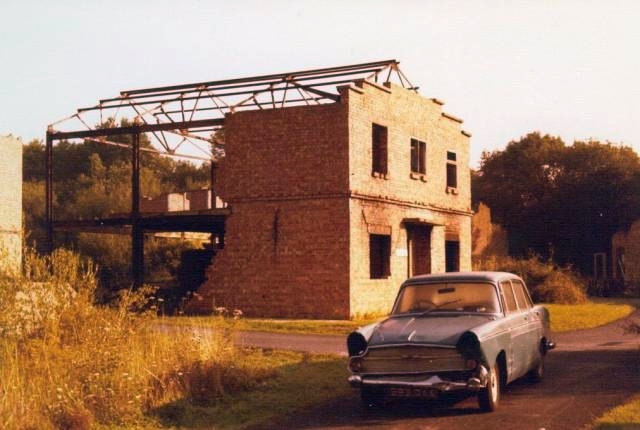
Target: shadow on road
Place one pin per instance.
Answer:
(578, 387)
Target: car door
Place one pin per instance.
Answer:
(532, 330)
(518, 320)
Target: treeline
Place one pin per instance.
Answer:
(561, 202)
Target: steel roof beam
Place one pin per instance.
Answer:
(141, 128)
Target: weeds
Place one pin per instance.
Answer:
(68, 364)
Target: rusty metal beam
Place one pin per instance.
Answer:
(137, 233)
(141, 128)
(49, 192)
(292, 75)
(204, 221)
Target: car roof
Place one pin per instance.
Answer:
(485, 276)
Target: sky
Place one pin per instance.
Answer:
(569, 68)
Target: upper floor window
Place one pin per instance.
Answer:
(452, 170)
(379, 150)
(418, 156)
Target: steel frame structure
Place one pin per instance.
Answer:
(181, 121)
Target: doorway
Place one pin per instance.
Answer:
(419, 245)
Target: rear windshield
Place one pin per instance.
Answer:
(449, 297)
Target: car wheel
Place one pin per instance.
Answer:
(371, 397)
(489, 396)
(537, 374)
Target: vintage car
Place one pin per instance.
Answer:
(465, 332)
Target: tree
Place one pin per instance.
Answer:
(597, 194)
(516, 184)
(560, 202)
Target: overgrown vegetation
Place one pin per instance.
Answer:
(93, 180)
(67, 364)
(547, 282)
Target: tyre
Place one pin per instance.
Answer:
(489, 396)
(537, 374)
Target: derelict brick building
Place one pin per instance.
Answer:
(334, 205)
(338, 185)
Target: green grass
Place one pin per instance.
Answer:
(588, 315)
(275, 398)
(594, 313)
(623, 417)
(293, 326)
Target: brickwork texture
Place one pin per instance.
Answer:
(11, 198)
(305, 204)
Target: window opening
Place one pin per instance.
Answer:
(418, 156)
(452, 256)
(379, 149)
(379, 256)
(452, 170)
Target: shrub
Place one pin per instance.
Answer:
(562, 287)
(547, 282)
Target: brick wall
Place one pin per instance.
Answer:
(11, 197)
(304, 204)
(199, 199)
(402, 198)
(285, 153)
(286, 251)
(406, 115)
(169, 202)
(282, 259)
(625, 249)
(488, 239)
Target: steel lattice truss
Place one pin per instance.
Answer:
(182, 120)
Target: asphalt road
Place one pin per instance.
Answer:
(588, 373)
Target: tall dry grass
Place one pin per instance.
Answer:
(68, 364)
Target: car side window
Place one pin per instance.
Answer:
(508, 297)
(523, 299)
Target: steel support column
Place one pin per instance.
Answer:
(213, 180)
(219, 237)
(49, 192)
(213, 185)
(137, 232)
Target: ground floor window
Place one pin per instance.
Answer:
(379, 256)
(452, 256)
